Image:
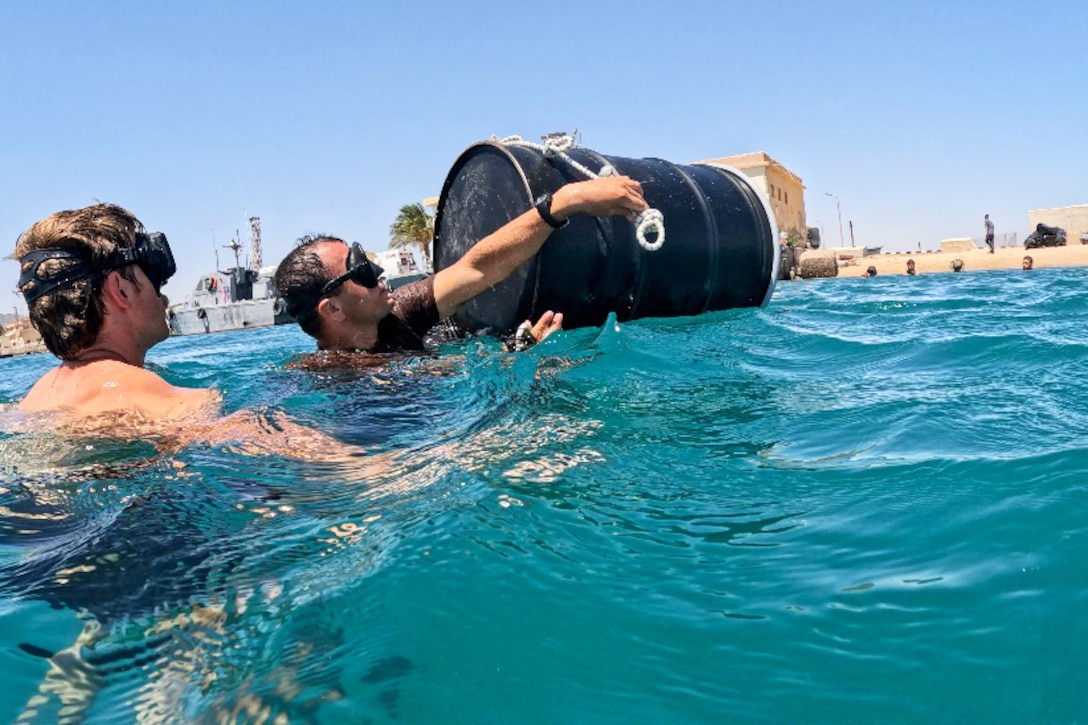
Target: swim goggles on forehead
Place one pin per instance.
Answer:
(151, 252)
(360, 270)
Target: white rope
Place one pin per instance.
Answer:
(647, 222)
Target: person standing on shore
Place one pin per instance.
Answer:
(989, 232)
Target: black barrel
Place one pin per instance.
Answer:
(721, 245)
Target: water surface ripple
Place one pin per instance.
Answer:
(863, 502)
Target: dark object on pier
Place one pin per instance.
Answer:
(1045, 236)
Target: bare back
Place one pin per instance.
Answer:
(115, 399)
(108, 386)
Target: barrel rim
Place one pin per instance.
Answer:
(775, 255)
(458, 163)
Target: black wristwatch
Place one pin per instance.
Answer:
(544, 208)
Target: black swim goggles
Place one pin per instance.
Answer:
(360, 270)
(151, 252)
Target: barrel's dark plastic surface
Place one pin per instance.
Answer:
(721, 246)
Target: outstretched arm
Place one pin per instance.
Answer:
(497, 256)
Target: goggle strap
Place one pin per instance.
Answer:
(82, 270)
(44, 286)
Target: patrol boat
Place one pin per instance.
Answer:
(232, 299)
(400, 267)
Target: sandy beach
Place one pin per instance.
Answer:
(1073, 255)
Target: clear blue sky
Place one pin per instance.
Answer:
(328, 116)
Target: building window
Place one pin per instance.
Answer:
(771, 186)
(787, 195)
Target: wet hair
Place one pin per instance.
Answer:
(69, 317)
(871, 271)
(299, 280)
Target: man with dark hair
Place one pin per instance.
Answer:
(989, 228)
(337, 296)
(92, 279)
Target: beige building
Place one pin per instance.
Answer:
(782, 187)
(20, 338)
(1073, 219)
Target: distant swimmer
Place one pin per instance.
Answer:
(1028, 263)
(871, 272)
(910, 267)
(336, 295)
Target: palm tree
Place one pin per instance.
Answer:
(413, 226)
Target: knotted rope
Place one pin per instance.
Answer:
(650, 220)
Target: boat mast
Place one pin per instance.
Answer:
(235, 247)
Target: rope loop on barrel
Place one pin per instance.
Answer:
(651, 220)
(647, 221)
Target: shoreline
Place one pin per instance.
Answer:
(895, 263)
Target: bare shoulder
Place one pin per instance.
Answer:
(109, 386)
(157, 398)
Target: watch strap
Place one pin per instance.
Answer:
(544, 208)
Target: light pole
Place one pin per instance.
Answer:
(838, 205)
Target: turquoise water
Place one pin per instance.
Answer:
(864, 502)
